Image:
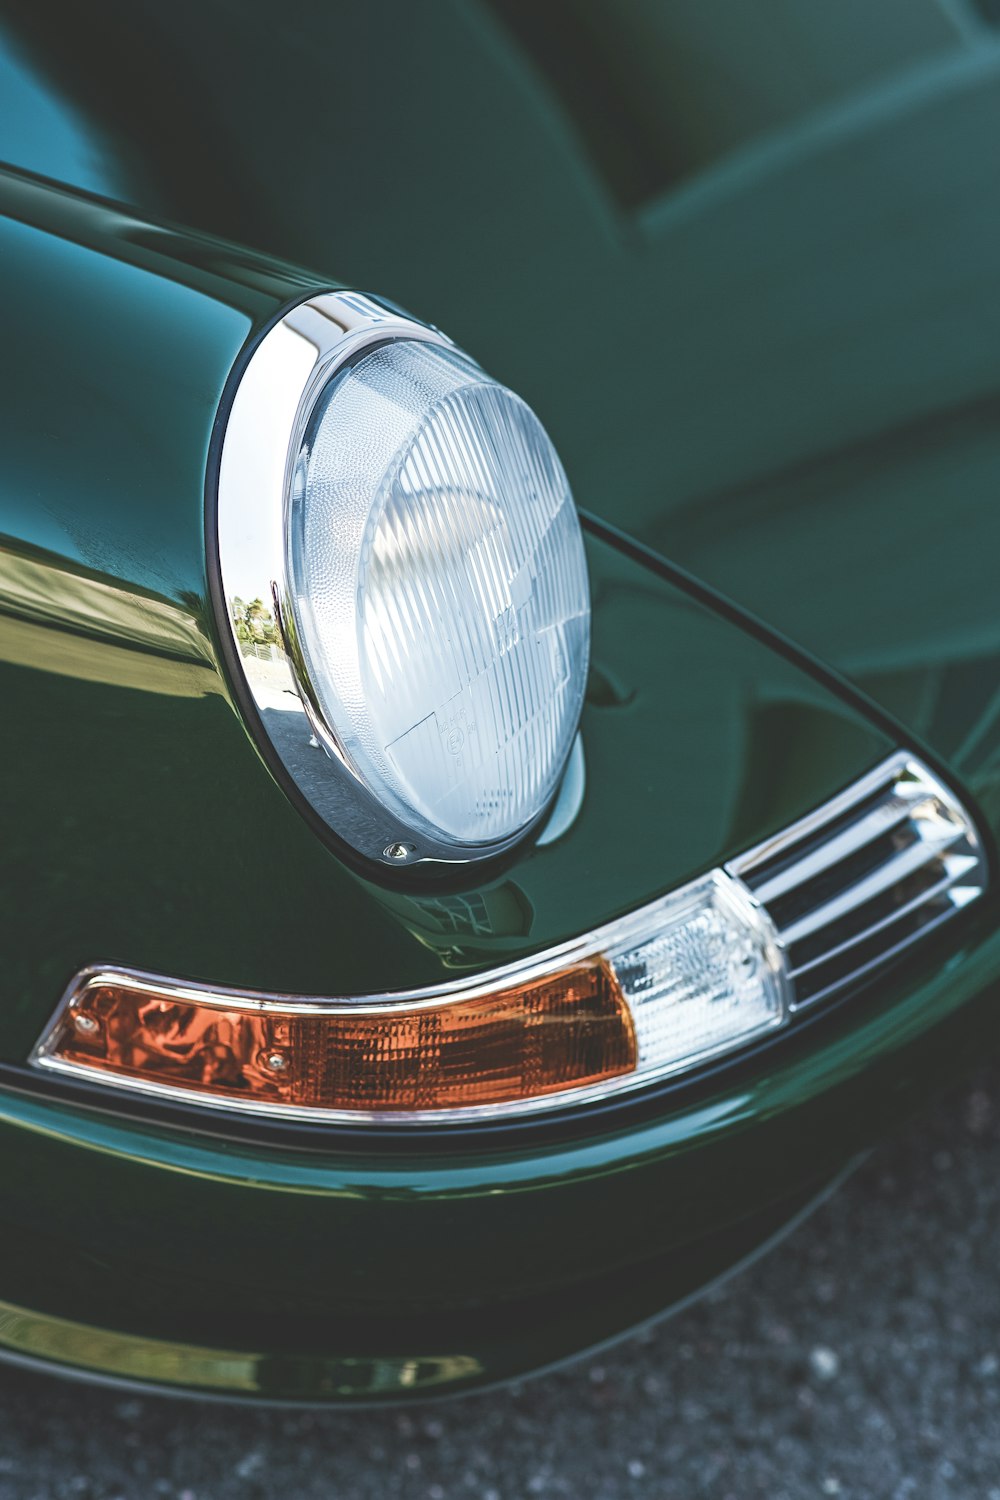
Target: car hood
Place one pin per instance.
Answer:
(755, 307)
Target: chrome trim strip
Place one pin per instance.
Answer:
(874, 780)
(880, 820)
(926, 898)
(895, 870)
(929, 826)
(886, 956)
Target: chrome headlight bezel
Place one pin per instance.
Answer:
(275, 396)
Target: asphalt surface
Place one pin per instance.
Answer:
(859, 1359)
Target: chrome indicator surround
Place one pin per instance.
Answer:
(857, 883)
(604, 943)
(268, 417)
(866, 846)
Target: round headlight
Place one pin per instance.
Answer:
(397, 535)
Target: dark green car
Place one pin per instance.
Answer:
(445, 921)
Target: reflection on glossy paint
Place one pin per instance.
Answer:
(58, 616)
(658, 93)
(464, 928)
(41, 131)
(124, 1356)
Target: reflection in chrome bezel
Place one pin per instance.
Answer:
(273, 401)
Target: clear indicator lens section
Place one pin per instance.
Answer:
(440, 591)
(704, 977)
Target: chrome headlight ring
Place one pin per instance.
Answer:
(403, 584)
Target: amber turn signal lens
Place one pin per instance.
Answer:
(564, 1031)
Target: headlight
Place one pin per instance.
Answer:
(405, 581)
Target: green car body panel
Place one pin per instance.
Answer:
(766, 360)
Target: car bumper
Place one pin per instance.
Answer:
(386, 1268)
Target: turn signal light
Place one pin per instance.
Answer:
(693, 975)
(567, 1030)
(685, 978)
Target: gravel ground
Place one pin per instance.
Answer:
(860, 1359)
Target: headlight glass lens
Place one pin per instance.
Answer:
(439, 591)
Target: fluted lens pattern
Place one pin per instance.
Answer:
(701, 978)
(440, 591)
